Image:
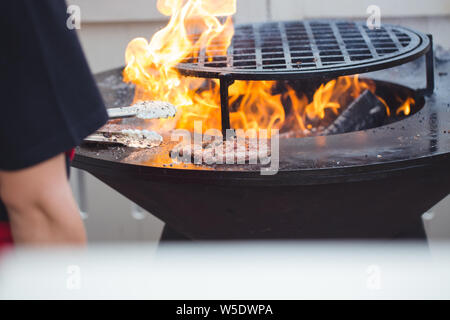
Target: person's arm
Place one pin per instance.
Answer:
(40, 205)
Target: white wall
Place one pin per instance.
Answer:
(295, 9)
(108, 25)
(145, 10)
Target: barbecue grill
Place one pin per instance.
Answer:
(371, 184)
(311, 50)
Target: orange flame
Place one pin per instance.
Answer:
(405, 108)
(195, 25)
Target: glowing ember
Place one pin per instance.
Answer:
(198, 24)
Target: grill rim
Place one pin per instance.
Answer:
(89, 159)
(374, 64)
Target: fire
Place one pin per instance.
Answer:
(198, 24)
(405, 108)
(150, 65)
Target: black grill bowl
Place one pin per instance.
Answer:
(386, 203)
(372, 184)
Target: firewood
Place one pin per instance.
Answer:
(365, 112)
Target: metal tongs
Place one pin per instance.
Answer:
(130, 137)
(144, 110)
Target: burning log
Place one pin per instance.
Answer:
(366, 112)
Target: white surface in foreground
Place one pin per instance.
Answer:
(234, 271)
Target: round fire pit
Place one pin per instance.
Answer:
(366, 184)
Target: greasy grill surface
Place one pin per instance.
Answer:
(305, 49)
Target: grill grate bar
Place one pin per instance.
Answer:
(341, 43)
(258, 50)
(286, 48)
(313, 43)
(394, 38)
(230, 55)
(368, 42)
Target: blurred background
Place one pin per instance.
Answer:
(108, 26)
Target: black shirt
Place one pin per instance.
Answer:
(48, 98)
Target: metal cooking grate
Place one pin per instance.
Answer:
(306, 49)
(271, 51)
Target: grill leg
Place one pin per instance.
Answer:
(169, 235)
(429, 65)
(225, 82)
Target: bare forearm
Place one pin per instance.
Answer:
(54, 220)
(40, 205)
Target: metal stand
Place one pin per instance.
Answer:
(429, 65)
(170, 235)
(225, 82)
